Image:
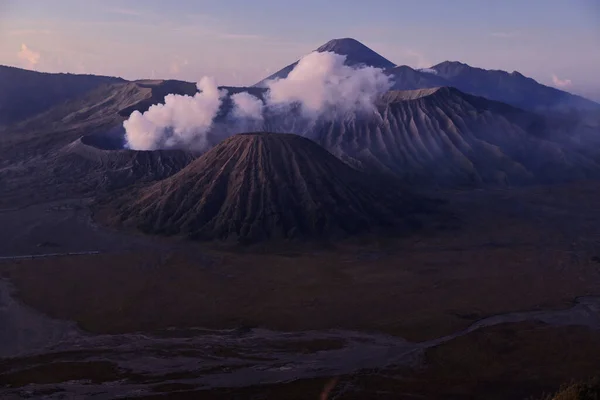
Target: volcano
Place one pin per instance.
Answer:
(27, 93)
(357, 54)
(443, 136)
(509, 87)
(260, 186)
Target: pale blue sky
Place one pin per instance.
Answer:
(241, 41)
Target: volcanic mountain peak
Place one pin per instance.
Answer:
(449, 66)
(452, 69)
(263, 185)
(356, 53)
(511, 88)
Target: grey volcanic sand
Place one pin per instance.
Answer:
(24, 330)
(227, 358)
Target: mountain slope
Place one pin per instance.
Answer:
(94, 112)
(512, 88)
(267, 186)
(100, 110)
(26, 93)
(446, 137)
(85, 168)
(84, 163)
(356, 54)
(406, 78)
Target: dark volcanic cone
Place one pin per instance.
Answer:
(85, 163)
(268, 186)
(88, 167)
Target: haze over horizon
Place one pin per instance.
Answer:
(238, 43)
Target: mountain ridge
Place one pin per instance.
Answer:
(356, 54)
(445, 137)
(260, 186)
(26, 93)
(510, 87)
(513, 88)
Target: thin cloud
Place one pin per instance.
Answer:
(29, 57)
(241, 36)
(127, 11)
(30, 32)
(177, 65)
(505, 35)
(421, 61)
(561, 83)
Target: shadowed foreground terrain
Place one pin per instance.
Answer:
(541, 255)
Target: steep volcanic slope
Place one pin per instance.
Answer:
(82, 168)
(45, 133)
(83, 163)
(356, 54)
(98, 111)
(266, 186)
(444, 136)
(406, 78)
(512, 88)
(26, 93)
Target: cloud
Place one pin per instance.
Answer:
(428, 71)
(30, 32)
(241, 36)
(176, 66)
(247, 106)
(180, 122)
(420, 60)
(320, 88)
(505, 35)
(561, 83)
(29, 57)
(322, 84)
(127, 11)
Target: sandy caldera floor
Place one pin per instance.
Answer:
(514, 250)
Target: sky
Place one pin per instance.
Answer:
(239, 42)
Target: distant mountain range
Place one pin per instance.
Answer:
(450, 125)
(512, 88)
(447, 137)
(26, 93)
(356, 54)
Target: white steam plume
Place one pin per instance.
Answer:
(181, 121)
(428, 71)
(324, 86)
(247, 106)
(246, 115)
(321, 86)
